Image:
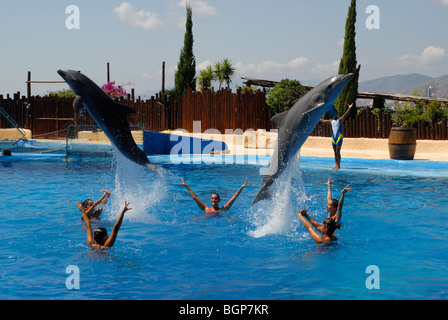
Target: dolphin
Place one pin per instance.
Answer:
(296, 124)
(110, 116)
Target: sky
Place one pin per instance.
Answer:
(265, 39)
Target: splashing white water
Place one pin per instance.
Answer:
(274, 216)
(139, 186)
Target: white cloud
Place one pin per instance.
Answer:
(429, 56)
(441, 2)
(324, 68)
(270, 66)
(200, 8)
(141, 19)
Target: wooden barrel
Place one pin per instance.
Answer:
(402, 143)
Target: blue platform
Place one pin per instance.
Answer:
(156, 143)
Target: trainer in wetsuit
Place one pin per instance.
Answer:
(337, 138)
(214, 210)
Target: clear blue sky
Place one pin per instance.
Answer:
(272, 40)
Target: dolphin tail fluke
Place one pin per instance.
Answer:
(262, 194)
(153, 167)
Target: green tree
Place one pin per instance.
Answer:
(227, 71)
(284, 95)
(348, 63)
(186, 68)
(205, 79)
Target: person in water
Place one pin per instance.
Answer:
(337, 138)
(334, 207)
(326, 228)
(99, 239)
(95, 209)
(214, 210)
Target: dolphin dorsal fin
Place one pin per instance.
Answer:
(121, 108)
(278, 118)
(77, 104)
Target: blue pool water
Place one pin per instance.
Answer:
(394, 219)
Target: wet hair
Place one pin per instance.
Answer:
(331, 225)
(99, 234)
(219, 198)
(334, 203)
(84, 203)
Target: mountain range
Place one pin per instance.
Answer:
(405, 84)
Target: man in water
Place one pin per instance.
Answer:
(214, 210)
(337, 138)
(100, 239)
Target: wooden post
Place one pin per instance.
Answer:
(28, 86)
(108, 72)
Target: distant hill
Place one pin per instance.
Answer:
(393, 84)
(440, 87)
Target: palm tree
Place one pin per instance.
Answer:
(218, 72)
(228, 71)
(205, 79)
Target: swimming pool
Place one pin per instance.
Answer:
(394, 220)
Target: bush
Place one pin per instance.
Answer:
(284, 95)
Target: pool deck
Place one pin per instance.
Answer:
(263, 143)
(362, 148)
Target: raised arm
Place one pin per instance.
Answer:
(103, 200)
(86, 220)
(342, 119)
(338, 215)
(113, 236)
(329, 195)
(316, 237)
(200, 204)
(232, 200)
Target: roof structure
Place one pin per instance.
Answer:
(361, 95)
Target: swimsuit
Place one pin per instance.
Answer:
(337, 133)
(213, 213)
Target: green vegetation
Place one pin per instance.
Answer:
(404, 113)
(65, 93)
(223, 71)
(348, 63)
(186, 68)
(284, 95)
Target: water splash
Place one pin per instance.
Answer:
(144, 189)
(275, 216)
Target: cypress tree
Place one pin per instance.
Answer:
(348, 62)
(186, 68)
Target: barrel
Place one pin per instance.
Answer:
(402, 143)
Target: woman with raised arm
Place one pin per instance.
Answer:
(99, 238)
(214, 210)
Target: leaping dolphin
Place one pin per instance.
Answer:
(110, 116)
(296, 124)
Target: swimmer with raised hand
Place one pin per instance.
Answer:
(95, 209)
(327, 228)
(100, 240)
(214, 210)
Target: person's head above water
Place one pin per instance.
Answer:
(87, 203)
(215, 199)
(330, 226)
(100, 236)
(332, 206)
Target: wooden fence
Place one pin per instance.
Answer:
(368, 125)
(48, 117)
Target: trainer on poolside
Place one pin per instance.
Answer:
(100, 240)
(337, 139)
(214, 210)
